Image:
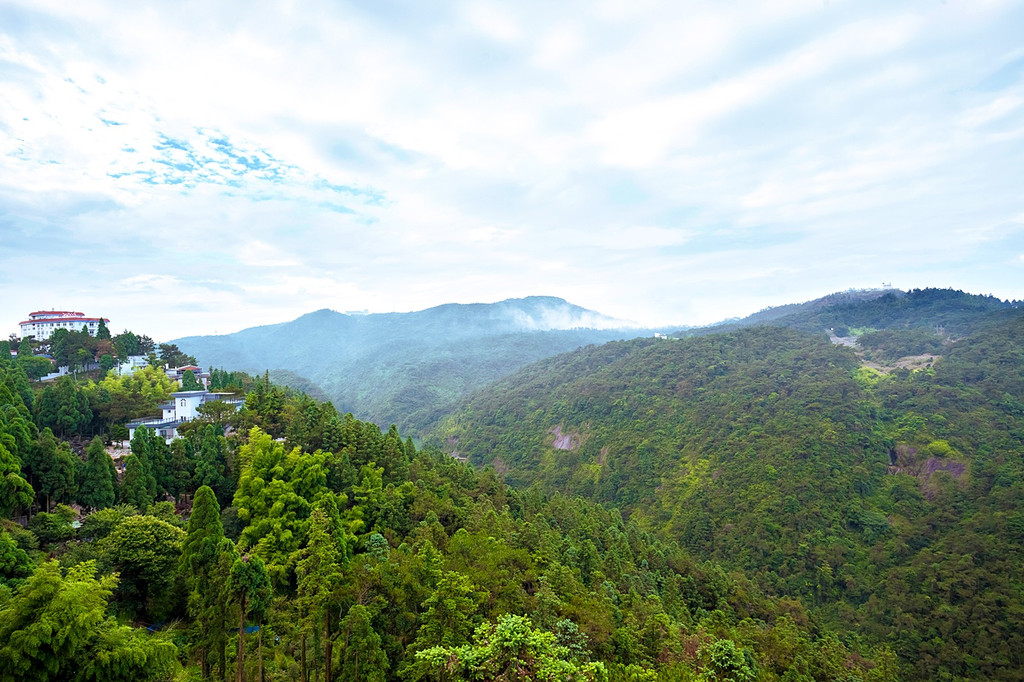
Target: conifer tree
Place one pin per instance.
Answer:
(101, 329)
(362, 658)
(249, 587)
(318, 578)
(199, 554)
(189, 381)
(145, 444)
(96, 489)
(134, 488)
(53, 465)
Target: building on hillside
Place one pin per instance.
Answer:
(43, 323)
(176, 373)
(182, 408)
(132, 363)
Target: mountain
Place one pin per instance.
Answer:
(887, 499)
(409, 368)
(866, 310)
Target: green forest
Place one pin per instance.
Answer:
(757, 503)
(311, 545)
(888, 501)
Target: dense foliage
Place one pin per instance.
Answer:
(888, 503)
(319, 545)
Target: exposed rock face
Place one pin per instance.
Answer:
(565, 441)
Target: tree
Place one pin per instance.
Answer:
(64, 407)
(510, 650)
(15, 564)
(172, 356)
(145, 551)
(53, 466)
(249, 586)
(189, 381)
(101, 330)
(199, 553)
(107, 362)
(446, 622)
(135, 488)
(56, 627)
(96, 490)
(318, 578)
(147, 446)
(362, 658)
(16, 434)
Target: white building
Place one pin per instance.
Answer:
(132, 363)
(182, 408)
(177, 373)
(43, 323)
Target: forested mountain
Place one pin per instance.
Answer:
(887, 501)
(409, 368)
(943, 311)
(309, 545)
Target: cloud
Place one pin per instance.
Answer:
(664, 163)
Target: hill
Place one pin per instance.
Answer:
(887, 501)
(943, 311)
(409, 368)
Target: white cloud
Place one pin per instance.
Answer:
(654, 162)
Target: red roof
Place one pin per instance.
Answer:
(55, 312)
(64, 319)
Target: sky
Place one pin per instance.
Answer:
(202, 167)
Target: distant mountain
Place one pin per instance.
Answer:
(409, 368)
(889, 502)
(858, 310)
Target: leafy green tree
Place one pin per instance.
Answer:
(107, 362)
(249, 586)
(362, 657)
(102, 332)
(199, 555)
(54, 527)
(211, 462)
(25, 348)
(126, 344)
(510, 650)
(5, 352)
(145, 551)
(56, 627)
(96, 489)
(275, 495)
(15, 564)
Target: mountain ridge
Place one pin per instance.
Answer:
(408, 368)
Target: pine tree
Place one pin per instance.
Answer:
(101, 329)
(97, 490)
